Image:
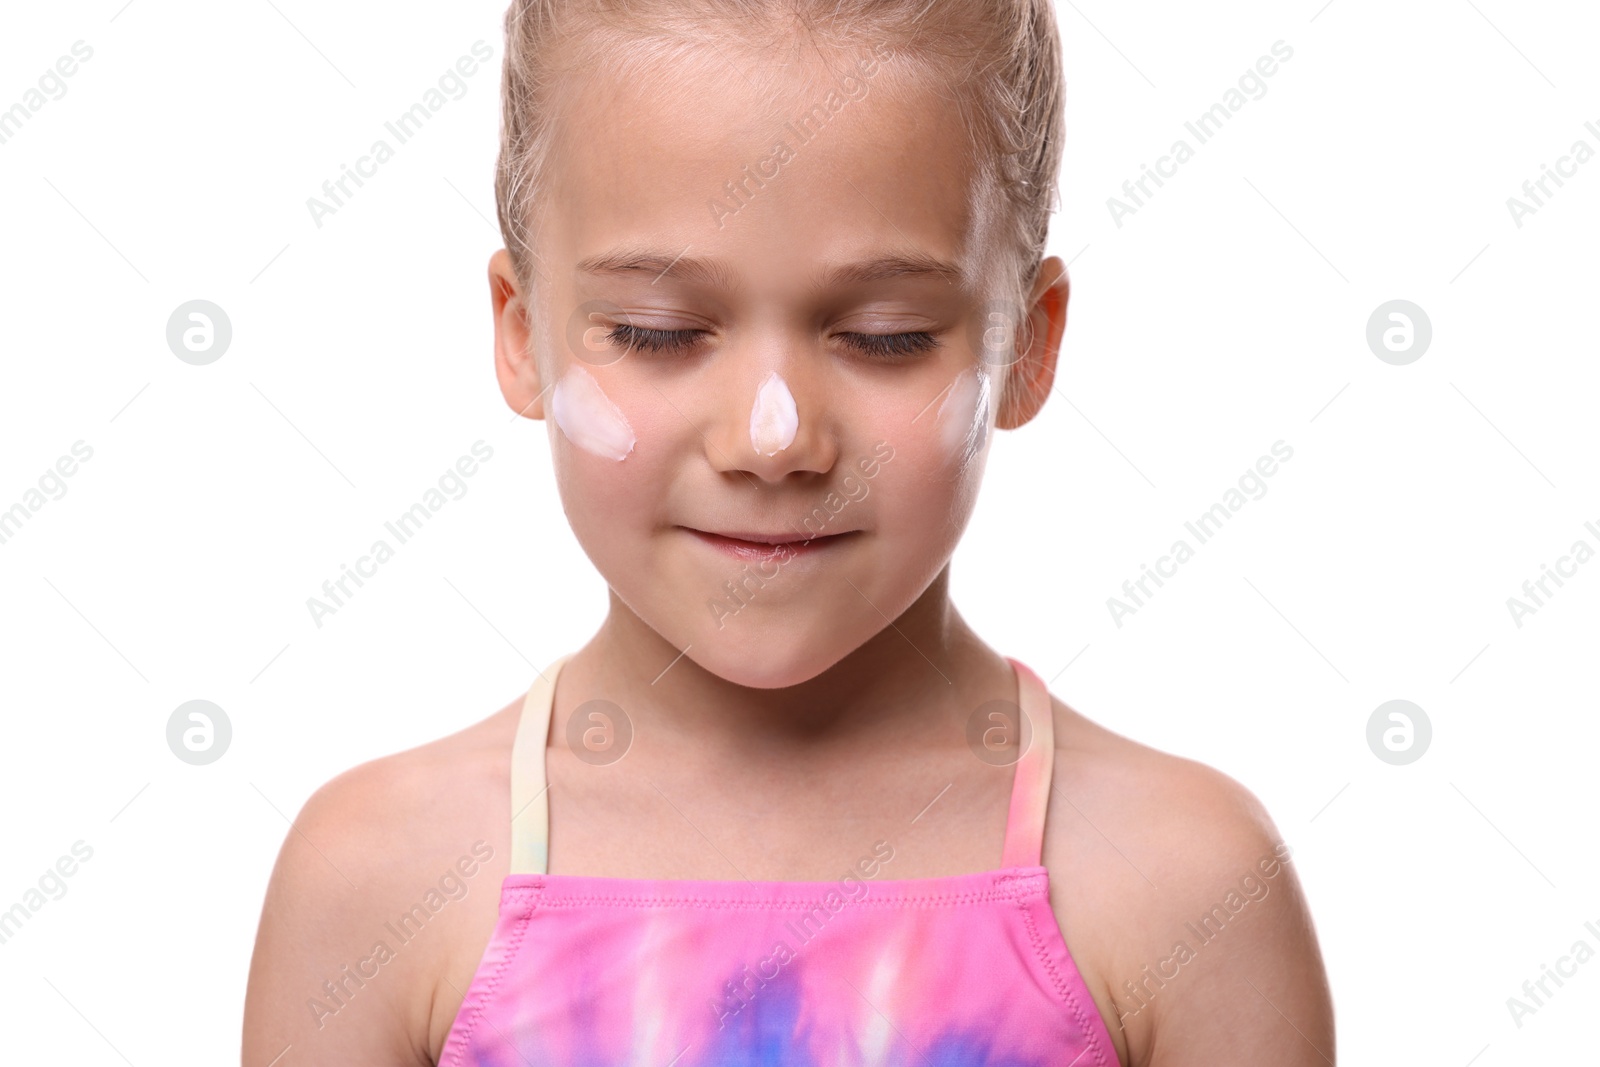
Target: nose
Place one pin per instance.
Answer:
(772, 421)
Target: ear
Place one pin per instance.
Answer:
(1028, 381)
(515, 367)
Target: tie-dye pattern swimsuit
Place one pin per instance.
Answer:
(965, 970)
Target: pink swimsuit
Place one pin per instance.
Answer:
(955, 971)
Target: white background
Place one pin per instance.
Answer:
(1226, 314)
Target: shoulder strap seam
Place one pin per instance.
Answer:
(530, 807)
(1031, 776)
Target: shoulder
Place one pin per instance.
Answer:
(361, 914)
(1172, 882)
(1181, 817)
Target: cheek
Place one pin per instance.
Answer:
(929, 482)
(918, 513)
(610, 445)
(961, 424)
(937, 430)
(588, 419)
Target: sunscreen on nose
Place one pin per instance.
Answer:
(589, 418)
(773, 419)
(963, 418)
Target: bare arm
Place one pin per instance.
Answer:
(1180, 899)
(321, 990)
(1248, 983)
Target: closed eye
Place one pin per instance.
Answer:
(891, 346)
(876, 346)
(631, 337)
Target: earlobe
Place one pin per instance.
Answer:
(515, 367)
(1029, 380)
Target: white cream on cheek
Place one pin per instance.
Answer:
(773, 418)
(963, 418)
(589, 418)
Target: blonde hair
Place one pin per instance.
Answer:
(999, 59)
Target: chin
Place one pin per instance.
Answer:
(769, 658)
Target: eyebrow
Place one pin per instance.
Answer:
(717, 274)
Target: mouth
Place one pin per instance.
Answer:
(751, 545)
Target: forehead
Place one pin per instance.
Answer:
(777, 169)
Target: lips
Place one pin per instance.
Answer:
(784, 538)
(754, 545)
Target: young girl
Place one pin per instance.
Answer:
(773, 276)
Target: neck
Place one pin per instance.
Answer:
(927, 662)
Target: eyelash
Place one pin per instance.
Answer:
(877, 346)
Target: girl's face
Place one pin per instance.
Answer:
(769, 310)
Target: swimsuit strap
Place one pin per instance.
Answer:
(1030, 785)
(530, 799)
